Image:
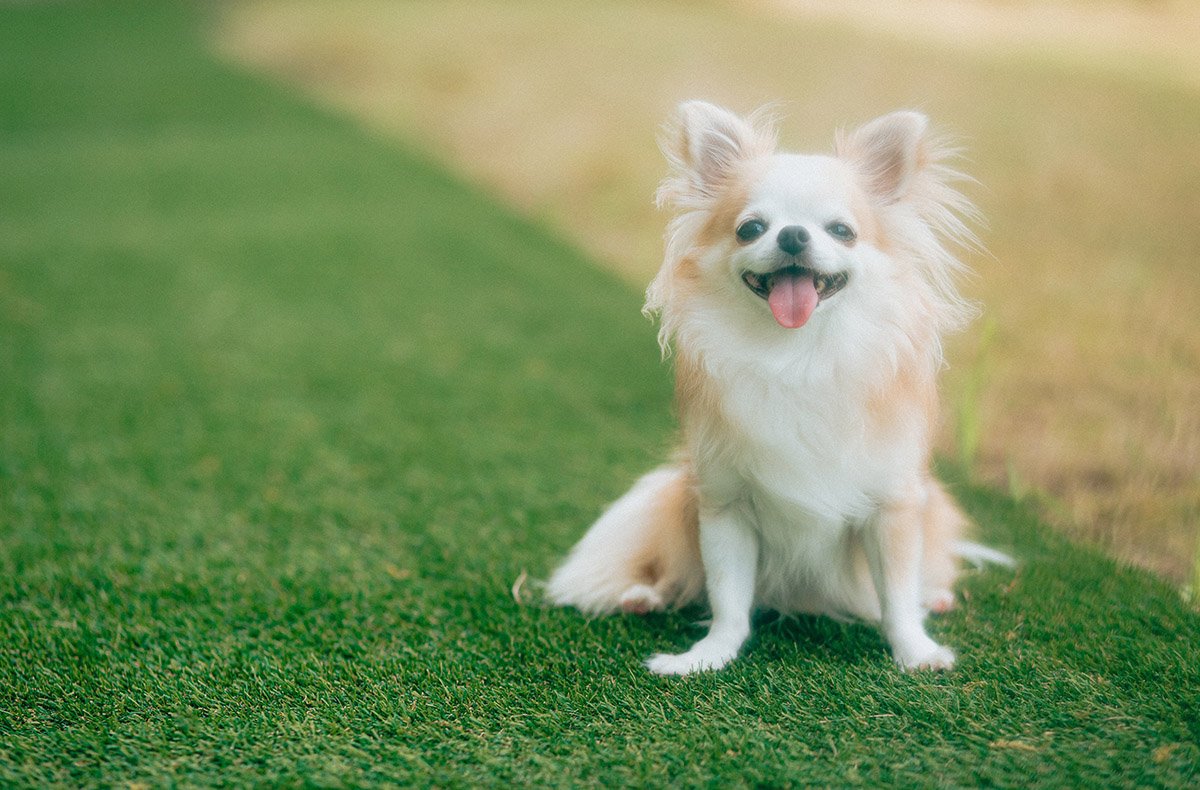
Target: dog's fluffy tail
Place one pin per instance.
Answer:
(980, 555)
(642, 555)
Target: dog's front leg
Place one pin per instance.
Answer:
(894, 543)
(729, 549)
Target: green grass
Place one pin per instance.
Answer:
(284, 413)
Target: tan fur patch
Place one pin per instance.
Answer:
(944, 525)
(669, 559)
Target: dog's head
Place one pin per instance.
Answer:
(786, 237)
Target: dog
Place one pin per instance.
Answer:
(804, 298)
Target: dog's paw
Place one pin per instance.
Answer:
(939, 601)
(700, 658)
(640, 599)
(924, 656)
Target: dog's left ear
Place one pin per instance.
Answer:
(706, 146)
(888, 153)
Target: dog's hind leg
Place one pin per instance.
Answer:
(642, 554)
(943, 527)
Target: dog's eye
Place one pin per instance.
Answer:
(841, 231)
(750, 230)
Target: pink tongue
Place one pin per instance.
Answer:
(793, 299)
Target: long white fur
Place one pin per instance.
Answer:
(806, 450)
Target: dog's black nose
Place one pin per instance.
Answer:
(793, 239)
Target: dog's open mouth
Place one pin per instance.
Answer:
(793, 292)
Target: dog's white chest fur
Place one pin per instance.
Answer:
(793, 453)
(801, 444)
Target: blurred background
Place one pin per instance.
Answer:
(1077, 389)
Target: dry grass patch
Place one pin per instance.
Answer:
(1088, 172)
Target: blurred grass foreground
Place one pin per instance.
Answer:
(1078, 389)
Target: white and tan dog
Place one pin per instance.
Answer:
(804, 298)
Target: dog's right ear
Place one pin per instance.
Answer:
(705, 145)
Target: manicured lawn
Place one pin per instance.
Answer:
(285, 412)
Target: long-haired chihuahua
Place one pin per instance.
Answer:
(804, 299)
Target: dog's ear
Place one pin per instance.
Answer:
(712, 140)
(888, 153)
(705, 144)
